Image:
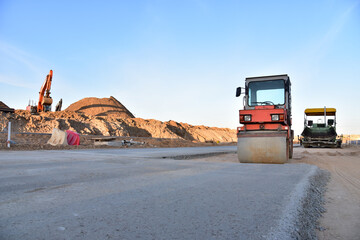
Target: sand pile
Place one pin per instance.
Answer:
(108, 117)
(100, 107)
(5, 108)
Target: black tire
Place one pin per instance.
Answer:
(291, 144)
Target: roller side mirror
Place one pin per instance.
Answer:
(238, 92)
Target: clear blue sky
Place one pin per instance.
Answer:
(182, 60)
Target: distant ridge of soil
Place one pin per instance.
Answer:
(5, 108)
(100, 107)
(108, 117)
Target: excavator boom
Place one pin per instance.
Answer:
(45, 100)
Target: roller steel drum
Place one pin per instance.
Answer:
(263, 147)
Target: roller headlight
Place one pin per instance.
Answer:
(247, 118)
(275, 117)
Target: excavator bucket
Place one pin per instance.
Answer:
(269, 147)
(47, 101)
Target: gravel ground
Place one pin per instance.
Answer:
(341, 218)
(140, 193)
(301, 219)
(340, 199)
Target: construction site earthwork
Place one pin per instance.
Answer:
(96, 171)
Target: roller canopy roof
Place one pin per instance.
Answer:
(267, 78)
(320, 111)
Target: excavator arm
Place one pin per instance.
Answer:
(45, 100)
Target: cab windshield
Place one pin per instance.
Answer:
(267, 93)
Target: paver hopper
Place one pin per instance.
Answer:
(266, 135)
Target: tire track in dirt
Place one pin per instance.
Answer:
(350, 182)
(341, 220)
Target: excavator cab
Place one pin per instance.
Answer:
(46, 103)
(47, 108)
(266, 135)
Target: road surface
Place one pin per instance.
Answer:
(145, 194)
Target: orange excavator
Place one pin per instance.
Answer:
(45, 101)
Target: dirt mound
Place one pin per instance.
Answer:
(5, 108)
(101, 107)
(108, 117)
(23, 121)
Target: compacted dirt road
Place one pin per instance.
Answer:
(153, 193)
(342, 198)
(342, 218)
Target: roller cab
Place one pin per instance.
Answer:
(265, 135)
